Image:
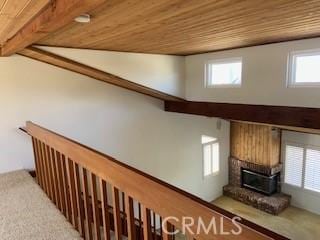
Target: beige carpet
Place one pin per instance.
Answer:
(294, 223)
(27, 213)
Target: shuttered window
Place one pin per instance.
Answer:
(294, 165)
(302, 167)
(312, 170)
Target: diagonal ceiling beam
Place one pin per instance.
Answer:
(97, 74)
(55, 15)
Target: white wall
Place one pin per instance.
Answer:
(126, 125)
(264, 77)
(301, 198)
(162, 72)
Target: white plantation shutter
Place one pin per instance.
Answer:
(294, 165)
(312, 170)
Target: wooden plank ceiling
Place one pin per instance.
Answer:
(184, 27)
(14, 14)
(51, 17)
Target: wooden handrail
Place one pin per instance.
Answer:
(23, 129)
(74, 176)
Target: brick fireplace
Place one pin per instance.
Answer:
(255, 179)
(273, 204)
(236, 165)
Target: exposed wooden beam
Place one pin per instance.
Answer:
(298, 117)
(55, 15)
(16, 13)
(97, 74)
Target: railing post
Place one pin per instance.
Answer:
(86, 204)
(72, 192)
(80, 207)
(130, 218)
(95, 210)
(116, 213)
(36, 160)
(105, 210)
(147, 231)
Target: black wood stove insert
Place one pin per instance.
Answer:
(258, 182)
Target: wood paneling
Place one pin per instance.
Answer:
(167, 26)
(288, 128)
(298, 117)
(53, 16)
(73, 66)
(254, 143)
(190, 26)
(14, 14)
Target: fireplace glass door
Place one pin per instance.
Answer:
(259, 182)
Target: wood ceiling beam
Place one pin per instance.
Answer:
(68, 64)
(55, 15)
(291, 118)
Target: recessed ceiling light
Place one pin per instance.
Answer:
(83, 18)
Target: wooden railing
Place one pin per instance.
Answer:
(99, 194)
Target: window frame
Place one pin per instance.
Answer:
(208, 72)
(292, 67)
(212, 173)
(305, 147)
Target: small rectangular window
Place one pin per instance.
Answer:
(304, 69)
(210, 148)
(223, 73)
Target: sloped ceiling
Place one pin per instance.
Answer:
(185, 27)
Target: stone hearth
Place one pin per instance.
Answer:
(273, 204)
